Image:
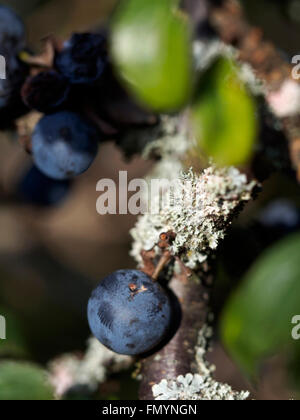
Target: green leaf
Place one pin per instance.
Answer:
(224, 115)
(14, 345)
(151, 49)
(257, 320)
(22, 381)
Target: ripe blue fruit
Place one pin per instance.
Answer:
(112, 102)
(64, 145)
(282, 215)
(129, 313)
(37, 189)
(46, 91)
(12, 30)
(83, 58)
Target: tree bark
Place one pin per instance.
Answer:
(178, 356)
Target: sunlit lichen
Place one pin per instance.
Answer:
(199, 211)
(197, 386)
(92, 369)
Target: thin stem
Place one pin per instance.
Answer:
(164, 260)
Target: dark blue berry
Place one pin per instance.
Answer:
(12, 40)
(11, 104)
(64, 145)
(37, 189)
(83, 58)
(12, 30)
(280, 217)
(46, 91)
(129, 313)
(111, 101)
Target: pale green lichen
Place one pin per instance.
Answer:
(97, 362)
(198, 210)
(172, 138)
(158, 140)
(204, 337)
(197, 386)
(69, 371)
(206, 52)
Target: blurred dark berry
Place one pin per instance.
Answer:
(12, 30)
(129, 313)
(46, 91)
(112, 101)
(83, 58)
(11, 104)
(198, 11)
(116, 112)
(64, 145)
(37, 189)
(280, 216)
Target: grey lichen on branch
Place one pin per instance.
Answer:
(197, 386)
(71, 371)
(198, 209)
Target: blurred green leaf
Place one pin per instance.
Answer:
(151, 48)
(14, 345)
(22, 381)
(257, 321)
(224, 115)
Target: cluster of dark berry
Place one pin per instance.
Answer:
(12, 42)
(74, 85)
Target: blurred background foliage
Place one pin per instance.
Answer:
(280, 21)
(51, 258)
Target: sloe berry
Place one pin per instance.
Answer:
(37, 189)
(83, 58)
(129, 313)
(12, 30)
(64, 145)
(45, 91)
